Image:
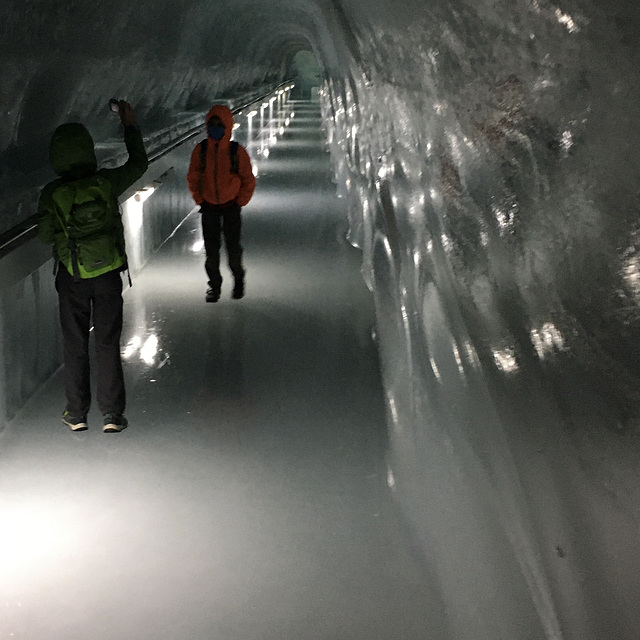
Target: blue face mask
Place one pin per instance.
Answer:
(215, 131)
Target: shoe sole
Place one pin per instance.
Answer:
(81, 426)
(113, 428)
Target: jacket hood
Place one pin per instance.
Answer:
(224, 113)
(72, 149)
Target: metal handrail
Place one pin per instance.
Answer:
(27, 227)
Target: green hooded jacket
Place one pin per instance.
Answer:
(73, 158)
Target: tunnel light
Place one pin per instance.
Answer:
(143, 194)
(133, 209)
(236, 126)
(197, 246)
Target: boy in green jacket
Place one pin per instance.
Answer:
(80, 216)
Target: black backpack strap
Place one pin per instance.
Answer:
(203, 155)
(233, 154)
(203, 160)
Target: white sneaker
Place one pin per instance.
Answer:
(114, 423)
(75, 424)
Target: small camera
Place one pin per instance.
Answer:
(114, 105)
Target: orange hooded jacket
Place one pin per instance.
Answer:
(217, 185)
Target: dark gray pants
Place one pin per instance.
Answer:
(223, 218)
(98, 299)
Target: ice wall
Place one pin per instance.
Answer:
(488, 154)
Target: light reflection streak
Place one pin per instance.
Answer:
(456, 355)
(505, 360)
(132, 346)
(393, 409)
(33, 535)
(567, 21)
(149, 349)
(631, 274)
(391, 480)
(434, 368)
(472, 356)
(546, 339)
(566, 142)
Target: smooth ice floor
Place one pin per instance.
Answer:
(248, 498)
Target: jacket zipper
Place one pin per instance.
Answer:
(215, 174)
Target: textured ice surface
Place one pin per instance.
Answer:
(248, 497)
(486, 153)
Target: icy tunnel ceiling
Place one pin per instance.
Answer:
(63, 61)
(61, 58)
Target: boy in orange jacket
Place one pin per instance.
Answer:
(221, 181)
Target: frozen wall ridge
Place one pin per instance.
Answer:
(476, 152)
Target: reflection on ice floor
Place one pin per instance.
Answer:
(248, 499)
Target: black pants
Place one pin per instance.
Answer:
(99, 299)
(223, 218)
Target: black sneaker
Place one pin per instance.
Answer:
(114, 423)
(212, 295)
(238, 289)
(75, 424)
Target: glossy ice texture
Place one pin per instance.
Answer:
(248, 497)
(490, 167)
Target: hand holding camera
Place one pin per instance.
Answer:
(124, 110)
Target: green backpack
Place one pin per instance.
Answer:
(93, 241)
